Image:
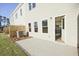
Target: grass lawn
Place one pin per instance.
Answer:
(8, 48)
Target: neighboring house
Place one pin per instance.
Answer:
(56, 22)
(18, 16)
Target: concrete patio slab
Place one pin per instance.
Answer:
(39, 47)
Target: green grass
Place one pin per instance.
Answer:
(8, 48)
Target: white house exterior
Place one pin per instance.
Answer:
(63, 16)
(18, 15)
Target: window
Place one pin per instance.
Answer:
(21, 12)
(44, 26)
(29, 6)
(32, 5)
(35, 27)
(29, 27)
(16, 15)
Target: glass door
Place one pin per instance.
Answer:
(59, 25)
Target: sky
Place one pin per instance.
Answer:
(7, 8)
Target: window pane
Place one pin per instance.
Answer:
(16, 15)
(36, 29)
(44, 23)
(29, 6)
(21, 12)
(44, 26)
(34, 5)
(29, 24)
(35, 24)
(45, 29)
(29, 27)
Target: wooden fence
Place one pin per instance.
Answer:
(12, 29)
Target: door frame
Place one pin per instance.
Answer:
(62, 19)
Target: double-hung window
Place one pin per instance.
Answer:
(29, 27)
(35, 27)
(21, 12)
(44, 26)
(16, 16)
(32, 5)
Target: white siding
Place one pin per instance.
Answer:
(20, 20)
(44, 11)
